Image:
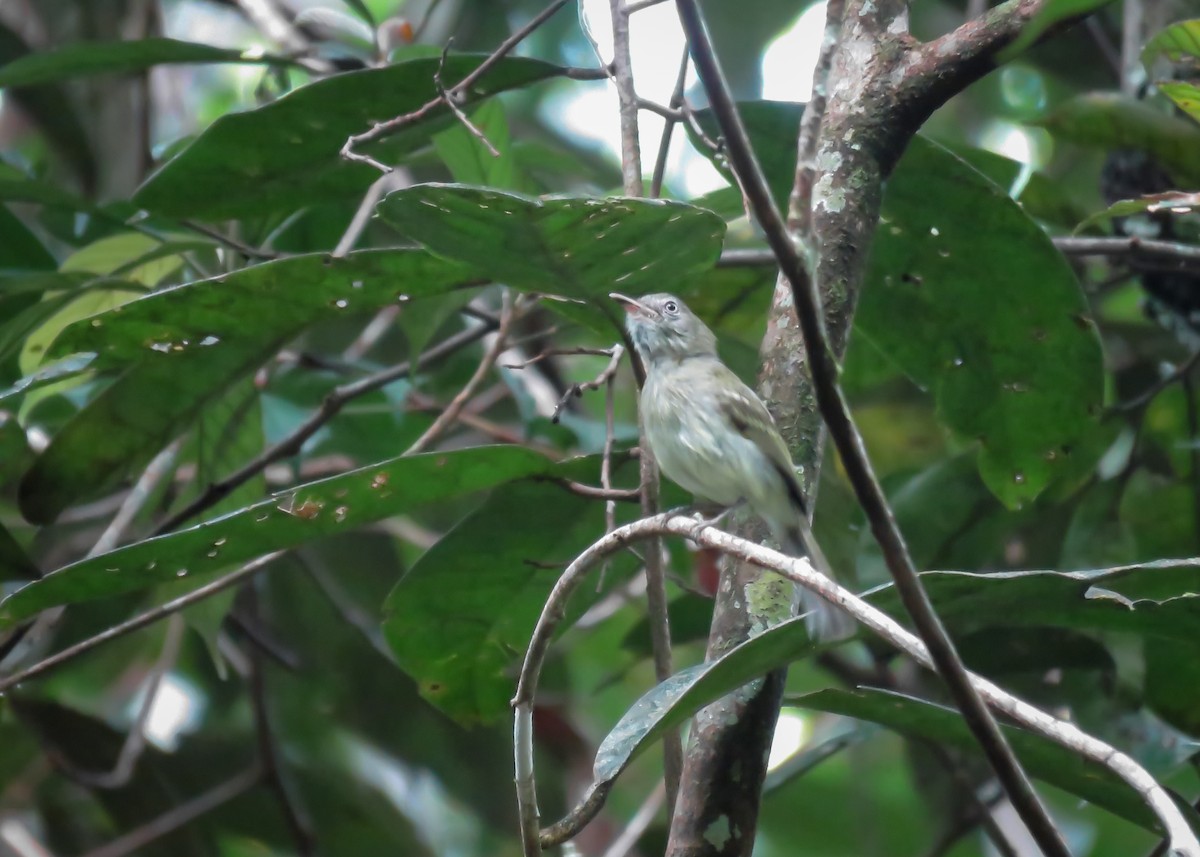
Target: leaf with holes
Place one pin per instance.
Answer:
(315, 510)
(576, 247)
(284, 155)
(1002, 339)
(182, 346)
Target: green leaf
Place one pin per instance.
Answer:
(315, 510)
(188, 343)
(1002, 339)
(21, 250)
(674, 700)
(469, 160)
(1185, 95)
(1173, 682)
(1177, 42)
(229, 433)
(260, 302)
(578, 247)
(93, 58)
(463, 614)
(1106, 121)
(772, 126)
(15, 564)
(284, 156)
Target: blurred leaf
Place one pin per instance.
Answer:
(773, 127)
(1002, 339)
(1176, 202)
(469, 160)
(16, 186)
(1173, 682)
(47, 104)
(190, 342)
(317, 509)
(15, 564)
(459, 619)
(103, 296)
(1177, 42)
(1185, 95)
(93, 58)
(1049, 14)
(284, 155)
(1106, 121)
(21, 250)
(576, 247)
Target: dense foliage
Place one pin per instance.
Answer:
(208, 357)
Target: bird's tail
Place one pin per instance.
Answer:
(825, 622)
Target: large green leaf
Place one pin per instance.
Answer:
(92, 58)
(284, 155)
(335, 505)
(188, 343)
(1002, 339)
(1106, 121)
(1185, 95)
(21, 249)
(258, 303)
(578, 247)
(461, 616)
(674, 700)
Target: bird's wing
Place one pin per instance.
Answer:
(750, 418)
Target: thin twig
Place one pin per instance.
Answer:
(229, 241)
(333, 403)
(627, 839)
(447, 417)
(383, 185)
(639, 5)
(158, 467)
(1179, 373)
(664, 142)
(622, 495)
(575, 391)
(294, 817)
(135, 741)
(178, 816)
(1179, 256)
(141, 620)
(842, 429)
(1183, 839)
(631, 153)
(559, 352)
(455, 93)
(452, 102)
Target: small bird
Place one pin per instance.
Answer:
(713, 436)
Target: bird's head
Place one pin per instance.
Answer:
(663, 328)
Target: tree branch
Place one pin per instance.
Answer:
(1183, 842)
(333, 403)
(861, 137)
(141, 620)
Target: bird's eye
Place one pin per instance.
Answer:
(671, 306)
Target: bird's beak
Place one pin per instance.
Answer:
(631, 305)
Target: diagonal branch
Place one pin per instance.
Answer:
(1182, 839)
(840, 256)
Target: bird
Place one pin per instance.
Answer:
(713, 436)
